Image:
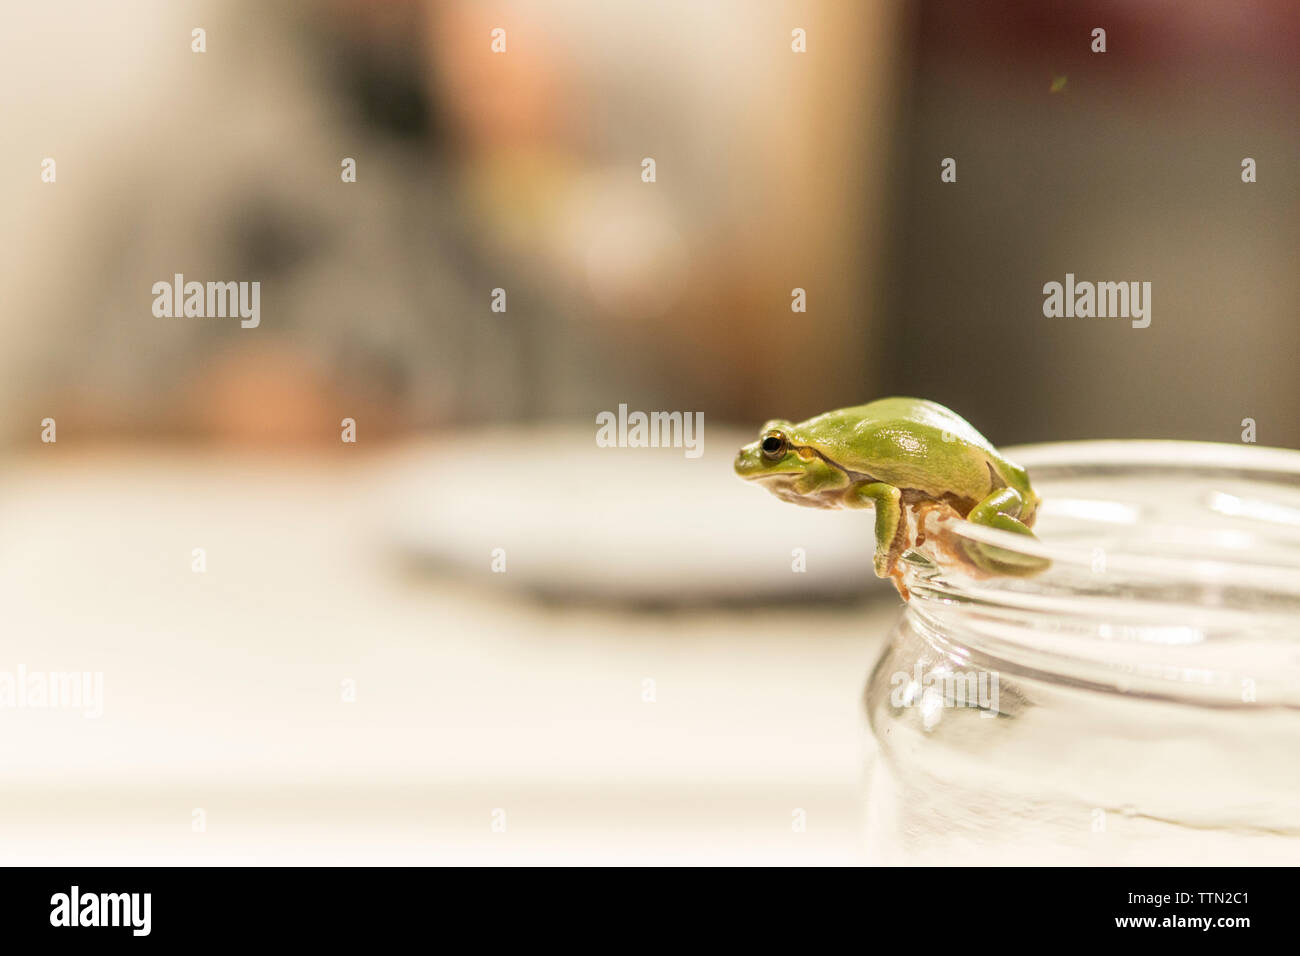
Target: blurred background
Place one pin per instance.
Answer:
(521, 685)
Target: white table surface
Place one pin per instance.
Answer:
(222, 690)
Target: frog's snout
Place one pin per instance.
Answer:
(746, 462)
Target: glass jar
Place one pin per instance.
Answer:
(1136, 702)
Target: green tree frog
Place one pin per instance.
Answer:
(892, 455)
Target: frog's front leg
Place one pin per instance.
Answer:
(1002, 510)
(889, 521)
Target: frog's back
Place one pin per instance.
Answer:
(914, 443)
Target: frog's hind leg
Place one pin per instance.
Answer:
(887, 500)
(1002, 510)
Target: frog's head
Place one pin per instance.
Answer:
(784, 461)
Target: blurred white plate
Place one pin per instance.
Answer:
(576, 521)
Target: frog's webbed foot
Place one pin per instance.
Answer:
(1002, 510)
(886, 499)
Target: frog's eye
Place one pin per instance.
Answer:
(774, 446)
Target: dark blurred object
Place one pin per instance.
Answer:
(1132, 171)
(374, 55)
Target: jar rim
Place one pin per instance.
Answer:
(1175, 569)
